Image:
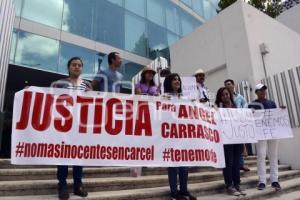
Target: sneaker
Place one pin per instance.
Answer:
(177, 196)
(80, 191)
(240, 190)
(63, 193)
(188, 196)
(232, 191)
(261, 186)
(276, 186)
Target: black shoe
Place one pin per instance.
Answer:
(261, 186)
(177, 196)
(63, 193)
(276, 186)
(80, 191)
(188, 196)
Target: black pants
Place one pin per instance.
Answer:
(62, 174)
(183, 178)
(231, 172)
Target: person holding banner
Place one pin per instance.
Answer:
(202, 89)
(147, 85)
(109, 80)
(172, 87)
(240, 102)
(74, 82)
(233, 152)
(261, 147)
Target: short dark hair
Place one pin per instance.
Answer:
(72, 59)
(168, 83)
(165, 72)
(111, 56)
(218, 101)
(229, 80)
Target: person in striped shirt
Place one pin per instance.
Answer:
(73, 82)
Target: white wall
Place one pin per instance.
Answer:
(289, 150)
(282, 42)
(290, 18)
(232, 38)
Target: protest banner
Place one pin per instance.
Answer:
(69, 127)
(236, 125)
(189, 87)
(273, 124)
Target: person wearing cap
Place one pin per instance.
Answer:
(266, 145)
(147, 85)
(240, 102)
(203, 91)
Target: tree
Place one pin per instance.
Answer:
(269, 7)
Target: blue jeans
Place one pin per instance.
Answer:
(62, 174)
(183, 178)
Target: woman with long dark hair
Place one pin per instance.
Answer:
(233, 152)
(147, 85)
(173, 90)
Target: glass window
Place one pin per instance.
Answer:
(68, 51)
(118, 2)
(172, 38)
(109, 24)
(198, 7)
(156, 11)
(209, 10)
(129, 69)
(188, 2)
(186, 24)
(172, 18)
(135, 34)
(45, 12)
(78, 17)
(18, 6)
(136, 6)
(157, 36)
(13, 46)
(36, 51)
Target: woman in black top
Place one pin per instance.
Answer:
(233, 152)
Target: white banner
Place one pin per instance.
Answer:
(67, 127)
(237, 126)
(189, 87)
(273, 124)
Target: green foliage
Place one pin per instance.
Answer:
(269, 7)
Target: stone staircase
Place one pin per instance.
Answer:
(115, 183)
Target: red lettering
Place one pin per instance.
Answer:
(23, 122)
(84, 101)
(65, 113)
(109, 113)
(37, 111)
(143, 121)
(98, 116)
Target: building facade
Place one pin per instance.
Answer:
(48, 33)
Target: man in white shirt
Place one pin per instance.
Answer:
(202, 89)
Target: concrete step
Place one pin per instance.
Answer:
(162, 193)
(90, 172)
(290, 191)
(5, 164)
(41, 187)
